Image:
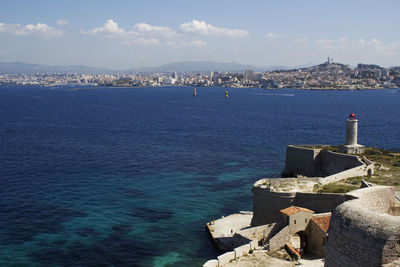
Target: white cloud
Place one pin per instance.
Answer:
(144, 34)
(38, 29)
(323, 41)
(343, 43)
(145, 28)
(202, 28)
(109, 29)
(62, 22)
(274, 35)
(364, 46)
(301, 41)
(182, 43)
(197, 43)
(140, 33)
(236, 49)
(142, 41)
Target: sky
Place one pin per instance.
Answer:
(123, 34)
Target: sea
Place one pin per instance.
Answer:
(131, 176)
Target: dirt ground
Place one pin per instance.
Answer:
(260, 258)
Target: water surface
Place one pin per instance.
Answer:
(130, 176)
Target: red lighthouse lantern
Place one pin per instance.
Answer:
(352, 116)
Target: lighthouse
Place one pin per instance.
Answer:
(351, 146)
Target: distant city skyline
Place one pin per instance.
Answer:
(129, 34)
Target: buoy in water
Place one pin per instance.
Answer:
(226, 94)
(194, 92)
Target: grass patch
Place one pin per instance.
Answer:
(354, 180)
(285, 186)
(387, 170)
(337, 188)
(387, 166)
(280, 254)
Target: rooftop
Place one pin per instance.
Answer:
(293, 210)
(322, 222)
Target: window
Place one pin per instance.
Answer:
(305, 220)
(294, 221)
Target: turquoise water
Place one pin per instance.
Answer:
(130, 176)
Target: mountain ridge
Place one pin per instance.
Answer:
(18, 67)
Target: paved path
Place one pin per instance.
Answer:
(235, 222)
(223, 230)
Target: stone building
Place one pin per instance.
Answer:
(305, 230)
(316, 231)
(297, 218)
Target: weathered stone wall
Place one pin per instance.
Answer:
(395, 211)
(242, 250)
(299, 221)
(317, 202)
(257, 233)
(361, 232)
(332, 163)
(211, 263)
(356, 171)
(305, 161)
(316, 240)
(279, 240)
(318, 163)
(300, 160)
(267, 204)
(226, 258)
(231, 255)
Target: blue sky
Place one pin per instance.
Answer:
(122, 34)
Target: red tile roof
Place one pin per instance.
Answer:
(294, 209)
(322, 222)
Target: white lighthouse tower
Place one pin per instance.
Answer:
(351, 146)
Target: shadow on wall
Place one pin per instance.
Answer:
(317, 162)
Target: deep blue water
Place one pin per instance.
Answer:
(129, 177)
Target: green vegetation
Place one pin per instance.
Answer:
(387, 166)
(387, 171)
(285, 186)
(343, 186)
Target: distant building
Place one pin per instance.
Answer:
(249, 75)
(258, 76)
(385, 73)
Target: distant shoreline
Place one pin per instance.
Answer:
(94, 87)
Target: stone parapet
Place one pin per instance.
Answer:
(362, 231)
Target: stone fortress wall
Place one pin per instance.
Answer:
(312, 162)
(364, 230)
(322, 166)
(267, 204)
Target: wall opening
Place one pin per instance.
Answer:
(299, 241)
